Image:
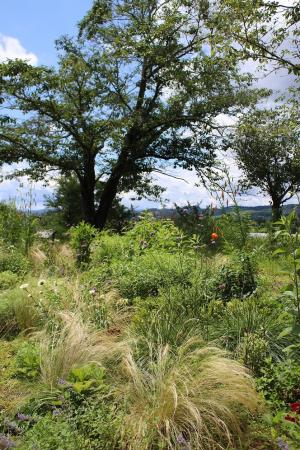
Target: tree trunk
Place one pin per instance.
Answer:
(276, 209)
(110, 191)
(88, 202)
(87, 186)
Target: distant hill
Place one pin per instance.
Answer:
(258, 213)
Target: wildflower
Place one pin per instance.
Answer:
(222, 286)
(41, 282)
(23, 417)
(93, 291)
(295, 407)
(180, 439)
(214, 236)
(56, 412)
(62, 382)
(24, 286)
(283, 445)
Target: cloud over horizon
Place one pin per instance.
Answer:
(11, 48)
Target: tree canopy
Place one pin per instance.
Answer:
(139, 89)
(267, 144)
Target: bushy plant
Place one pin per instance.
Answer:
(19, 305)
(8, 280)
(144, 275)
(280, 382)
(16, 228)
(12, 260)
(81, 238)
(193, 220)
(236, 279)
(52, 432)
(149, 232)
(252, 329)
(290, 248)
(28, 361)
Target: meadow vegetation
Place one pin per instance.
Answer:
(158, 337)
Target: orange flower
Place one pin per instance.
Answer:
(214, 236)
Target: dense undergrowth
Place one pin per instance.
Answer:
(156, 338)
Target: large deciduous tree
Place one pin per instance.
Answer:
(139, 90)
(267, 145)
(265, 31)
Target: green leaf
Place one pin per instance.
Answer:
(285, 332)
(278, 251)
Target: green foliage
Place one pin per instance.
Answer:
(290, 248)
(280, 382)
(97, 420)
(12, 260)
(81, 238)
(52, 433)
(86, 378)
(66, 200)
(234, 228)
(237, 279)
(28, 361)
(17, 228)
(150, 233)
(145, 275)
(267, 147)
(251, 328)
(193, 220)
(8, 280)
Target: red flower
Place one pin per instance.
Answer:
(295, 407)
(290, 418)
(214, 236)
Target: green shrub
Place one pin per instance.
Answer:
(252, 328)
(13, 261)
(280, 382)
(8, 280)
(52, 433)
(145, 275)
(81, 238)
(237, 279)
(16, 228)
(97, 421)
(151, 233)
(107, 247)
(28, 361)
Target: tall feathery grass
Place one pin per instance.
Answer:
(73, 344)
(194, 397)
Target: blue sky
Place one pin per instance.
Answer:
(37, 23)
(29, 28)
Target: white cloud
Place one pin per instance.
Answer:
(11, 48)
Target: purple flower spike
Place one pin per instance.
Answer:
(23, 417)
(283, 445)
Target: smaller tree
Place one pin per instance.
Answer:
(267, 149)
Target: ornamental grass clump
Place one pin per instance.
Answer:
(194, 397)
(72, 344)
